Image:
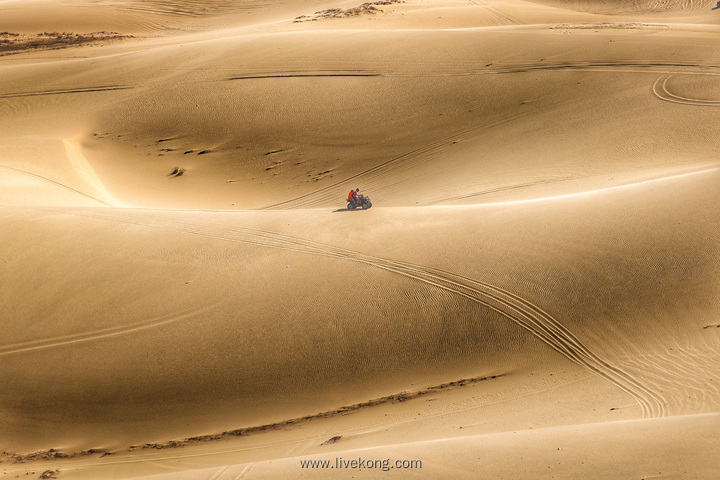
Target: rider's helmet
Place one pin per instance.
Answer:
(357, 190)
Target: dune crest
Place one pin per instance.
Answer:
(185, 295)
(619, 7)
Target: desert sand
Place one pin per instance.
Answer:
(535, 292)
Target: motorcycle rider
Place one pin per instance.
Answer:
(351, 197)
(354, 197)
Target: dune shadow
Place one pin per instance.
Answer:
(348, 210)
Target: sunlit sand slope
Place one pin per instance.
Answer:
(609, 450)
(533, 294)
(617, 7)
(216, 121)
(143, 17)
(623, 289)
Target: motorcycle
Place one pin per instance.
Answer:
(363, 202)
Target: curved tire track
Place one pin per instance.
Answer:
(101, 334)
(661, 91)
(329, 193)
(57, 184)
(511, 306)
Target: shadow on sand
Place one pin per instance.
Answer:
(346, 210)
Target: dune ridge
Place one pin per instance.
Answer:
(619, 7)
(534, 293)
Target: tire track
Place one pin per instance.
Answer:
(511, 306)
(65, 91)
(243, 473)
(220, 472)
(306, 75)
(394, 165)
(101, 334)
(329, 193)
(498, 189)
(474, 68)
(661, 91)
(490, 14)
(183, 9)
(502, 17)
(57, 184)
(614, 66)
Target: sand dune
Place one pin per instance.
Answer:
(533, 294)
(545, 453)
(616, 7)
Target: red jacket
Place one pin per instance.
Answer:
(352, 192)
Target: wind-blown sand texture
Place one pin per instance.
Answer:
(534, 294)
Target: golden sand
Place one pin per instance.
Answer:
(534, 293)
